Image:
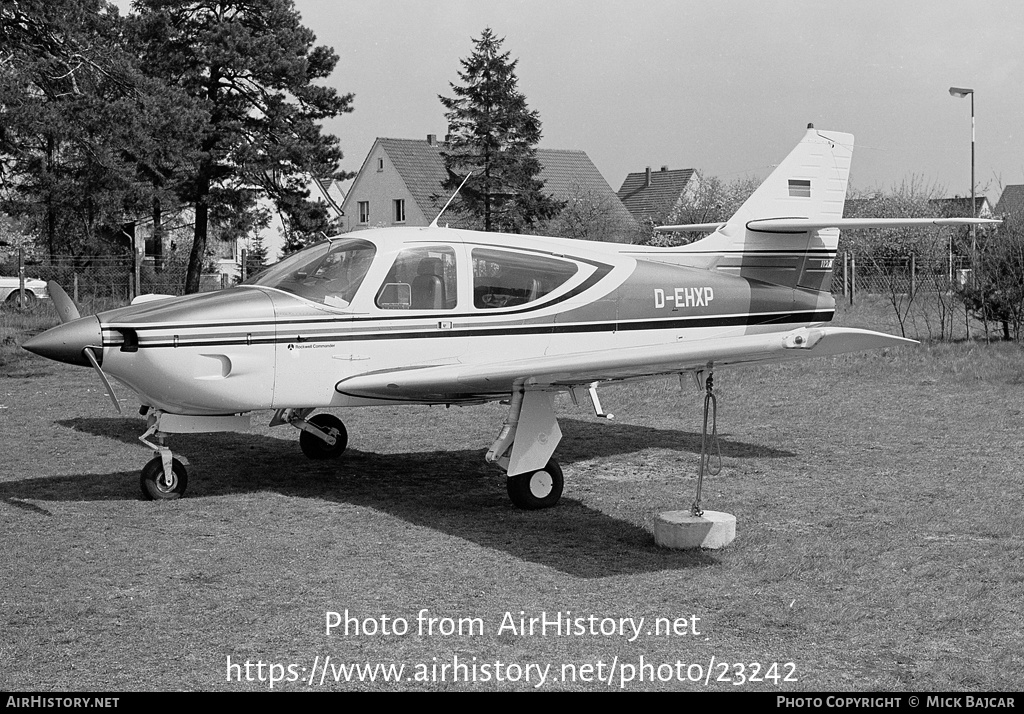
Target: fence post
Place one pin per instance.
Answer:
(853, 276)
(21, 276)
(846, 273)
(913, 275)
(76, 288)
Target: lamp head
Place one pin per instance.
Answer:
(960, 91)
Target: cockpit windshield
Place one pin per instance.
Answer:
(329, 272)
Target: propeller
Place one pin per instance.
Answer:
(99, 370)
(66, 308)
(68, 312)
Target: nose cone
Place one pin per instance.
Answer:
(65, 343)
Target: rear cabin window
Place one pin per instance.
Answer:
(505, 279)
(421, 279)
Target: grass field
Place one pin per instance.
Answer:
(880, 538)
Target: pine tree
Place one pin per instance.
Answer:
(256, 256)
(494, 135)
(86, 139)
(252, 65)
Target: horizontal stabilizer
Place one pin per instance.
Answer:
(784, 225)
(691, 228)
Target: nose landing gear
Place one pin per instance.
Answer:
(165, 477)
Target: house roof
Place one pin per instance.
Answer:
(326, 189)
(421, 167)
(658, 198)
(960, 206)
(564, 172)
(1011, 201)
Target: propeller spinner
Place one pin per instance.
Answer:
(77, 340)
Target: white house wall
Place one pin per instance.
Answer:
(381, 187)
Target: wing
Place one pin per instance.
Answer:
(474, 382)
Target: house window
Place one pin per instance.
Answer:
(364, 212)
(399, 210)
(380, 164)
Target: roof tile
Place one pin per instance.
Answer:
(659, 198)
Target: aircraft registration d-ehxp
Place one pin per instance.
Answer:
(442, 316)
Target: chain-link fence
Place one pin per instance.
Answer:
(114, 278)
(857, 273)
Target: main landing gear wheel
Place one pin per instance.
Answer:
(536, 489)
(316, 448)
(154, 484)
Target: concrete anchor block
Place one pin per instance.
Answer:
(683, 531)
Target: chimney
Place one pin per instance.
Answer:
(647, 180)
(432, 139)
(664, 169)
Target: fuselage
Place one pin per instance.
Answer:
(385, 299)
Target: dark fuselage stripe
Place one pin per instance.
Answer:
(533, 329)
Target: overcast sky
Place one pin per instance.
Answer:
(724, 86)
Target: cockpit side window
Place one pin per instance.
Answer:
(421, 279)
(329, 273)
(505, 279)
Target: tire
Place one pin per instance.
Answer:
(30, 299)
(536, 489)
(152, 480)
(316, 448)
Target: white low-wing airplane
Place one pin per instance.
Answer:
(442, 316)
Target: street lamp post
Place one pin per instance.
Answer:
(962, 92)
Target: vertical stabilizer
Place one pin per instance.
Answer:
(810, 183)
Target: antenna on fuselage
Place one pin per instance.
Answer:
(433, 224)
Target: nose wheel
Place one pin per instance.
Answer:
(160, 484)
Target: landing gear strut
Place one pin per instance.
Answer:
(164, 477)
(524, 447)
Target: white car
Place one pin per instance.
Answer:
(35, 289)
